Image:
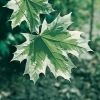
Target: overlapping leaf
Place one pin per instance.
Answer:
(29, 11)
(50, 48)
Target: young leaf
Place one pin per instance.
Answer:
(50, 48)
(29, 11)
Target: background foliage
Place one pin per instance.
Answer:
(85, 81)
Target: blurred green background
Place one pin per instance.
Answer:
(85, 80)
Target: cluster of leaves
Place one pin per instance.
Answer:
(85, 81)
(51, 45)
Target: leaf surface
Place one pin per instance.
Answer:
(50, 48)
(28, 10)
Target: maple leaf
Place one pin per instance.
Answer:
(29, 11)
(50, 48)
